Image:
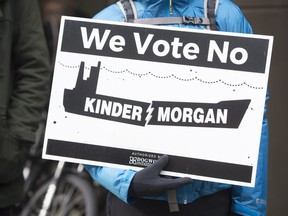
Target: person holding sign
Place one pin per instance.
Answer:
(146, 192)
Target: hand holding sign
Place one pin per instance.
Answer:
(147, 182)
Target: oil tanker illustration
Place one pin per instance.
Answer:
(84, 100)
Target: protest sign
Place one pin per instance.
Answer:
(124, 94)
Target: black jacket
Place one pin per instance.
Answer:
(24, 84)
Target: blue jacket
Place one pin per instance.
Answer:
(245, 201)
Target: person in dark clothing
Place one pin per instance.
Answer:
(24, 84)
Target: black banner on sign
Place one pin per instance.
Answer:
(213, 169)
(166, 46)
(84, 100)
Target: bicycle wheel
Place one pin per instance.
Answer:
(74, 196)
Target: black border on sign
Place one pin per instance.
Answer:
(192, 166)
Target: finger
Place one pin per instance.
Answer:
(159, 164)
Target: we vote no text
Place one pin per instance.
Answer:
(162, 48)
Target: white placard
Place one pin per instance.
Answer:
(124, 94)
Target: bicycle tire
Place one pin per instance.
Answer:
(74, 196)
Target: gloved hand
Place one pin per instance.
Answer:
(147, 182)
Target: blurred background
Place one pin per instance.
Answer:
(266, 17)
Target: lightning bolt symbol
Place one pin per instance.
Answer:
(149, 114)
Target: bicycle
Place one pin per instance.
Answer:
(58, 188)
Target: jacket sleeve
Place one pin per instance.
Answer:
(247, 201)
(230, 18)
(31, 71)
(111, 13)
(117, 181)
